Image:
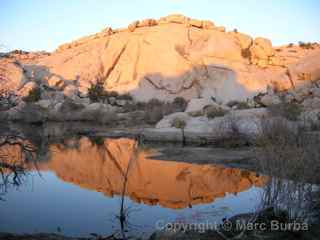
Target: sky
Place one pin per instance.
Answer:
(34, 25)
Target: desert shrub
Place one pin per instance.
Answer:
(196, 113)
(290, 111)
(290, 45)
(7, 100)
(213, 112)
(180, 104)
(245, 53)
(154, 110)
(243, 105)
(153, 115)
(178, 123)
(232, 138)
(97, 140)
(96, 92)
(235, 30)
(154, 102)
(307, 45)
(34, 95)
(288, 152)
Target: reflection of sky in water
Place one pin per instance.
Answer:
(44, 204)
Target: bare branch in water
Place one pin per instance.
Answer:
(13, 174)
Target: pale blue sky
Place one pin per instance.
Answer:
(44, 24)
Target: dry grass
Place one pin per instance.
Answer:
(155, 109)
(288, 152)
(230, 135)
(290, 111)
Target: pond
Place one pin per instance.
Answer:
(79, 185)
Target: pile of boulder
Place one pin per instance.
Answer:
(206, 120)
(222, 75)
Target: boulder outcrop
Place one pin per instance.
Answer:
(174, 56)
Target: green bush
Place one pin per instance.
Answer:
(178, 123)
(96, 92)
(180, 104)
(34, 95)
(213, 112)
(243, 105)
(97, 140)
(196, 113)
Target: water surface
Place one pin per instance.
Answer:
(76, 186)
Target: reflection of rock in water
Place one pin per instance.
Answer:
(102, 166)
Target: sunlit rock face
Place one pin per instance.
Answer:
(103, 168)
(167, 58)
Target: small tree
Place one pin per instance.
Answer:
(33, 96)
(96, 92)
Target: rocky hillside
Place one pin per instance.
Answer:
(166, 58)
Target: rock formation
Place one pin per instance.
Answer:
(165, 58)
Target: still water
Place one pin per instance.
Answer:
(78, 186)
